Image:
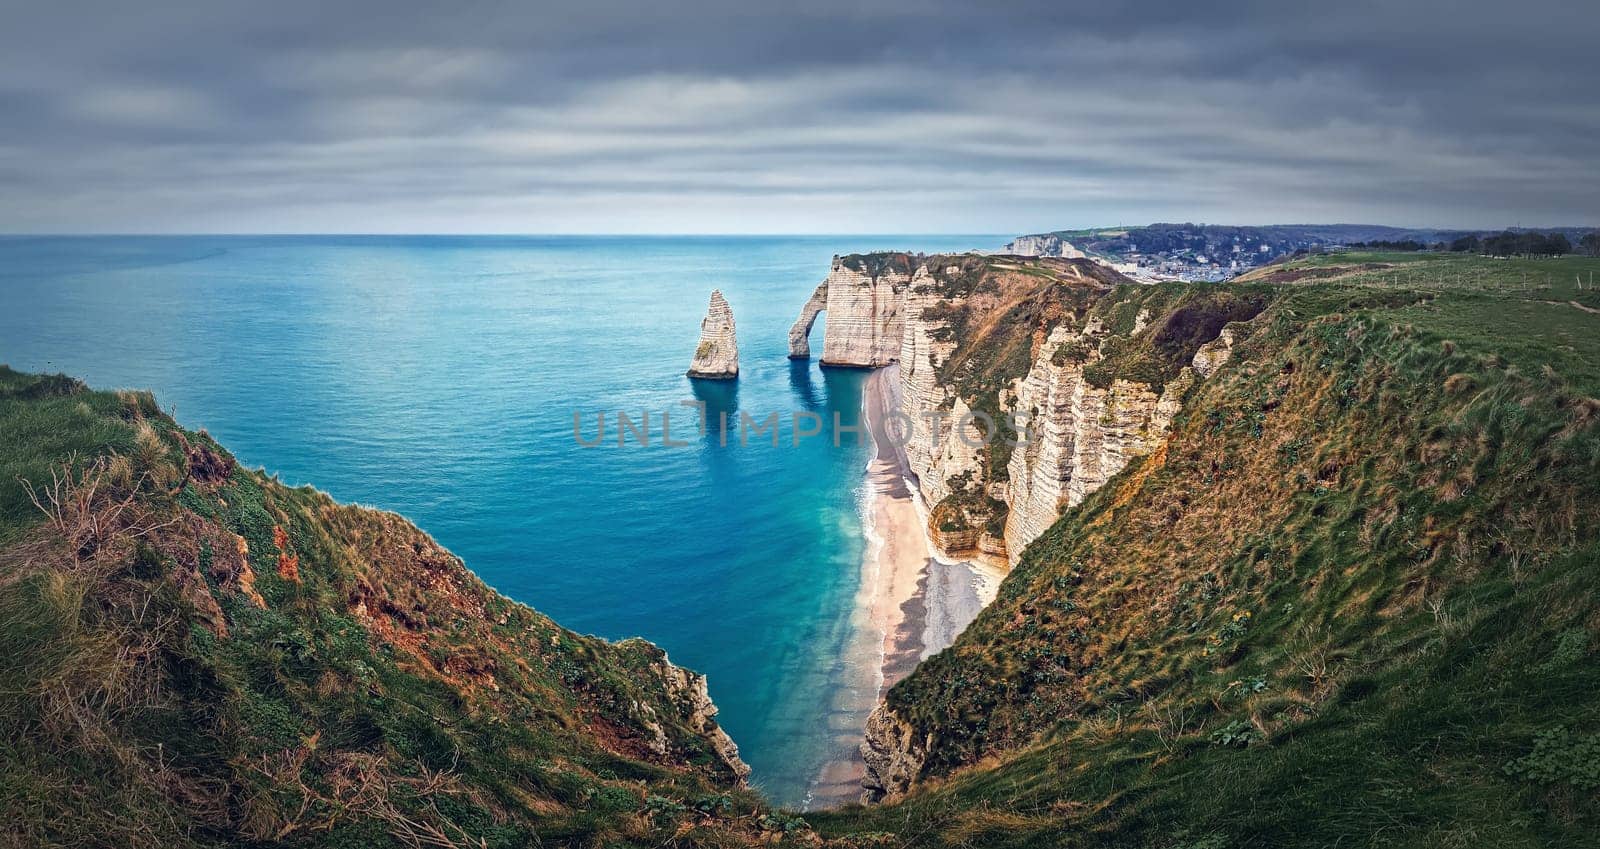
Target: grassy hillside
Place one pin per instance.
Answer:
(1355, 600)
(197, 655)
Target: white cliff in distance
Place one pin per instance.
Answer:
(1046, 244)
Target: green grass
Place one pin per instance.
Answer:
(218, 659)
(47, 418)
(1352, 602)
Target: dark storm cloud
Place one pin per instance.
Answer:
(726, 116)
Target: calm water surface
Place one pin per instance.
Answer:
(437, 377)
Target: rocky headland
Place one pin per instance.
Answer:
(1087, 366)
(862, 295)
(987, 341)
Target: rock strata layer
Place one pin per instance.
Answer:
(717, 357)
(1080, 435)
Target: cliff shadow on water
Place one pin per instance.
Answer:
(719, 401)
(803, 387)
(842, 390)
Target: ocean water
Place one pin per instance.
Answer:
(438, 377)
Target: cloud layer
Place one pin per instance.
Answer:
(816, 117)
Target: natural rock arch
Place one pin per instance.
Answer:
(800, 333)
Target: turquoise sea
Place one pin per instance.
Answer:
(438, 377)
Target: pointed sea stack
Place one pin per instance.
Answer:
(717, 358)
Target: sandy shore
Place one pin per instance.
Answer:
(910, 604)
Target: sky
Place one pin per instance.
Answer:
(907, 116)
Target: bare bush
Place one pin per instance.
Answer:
(92, 508)
(1170, 723)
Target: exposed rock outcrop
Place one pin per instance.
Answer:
(717, 357)
(862, 296)
(893, 754)
(1213, 354)
(688, 690)
(1044, 244)
(800, 333)
(1080, 435)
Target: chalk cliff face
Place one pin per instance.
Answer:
(981, 337)
(945, 443)
(1047, 244)
(1098, 388)
(1080, 435)
(934, 451)
(1101, 388)
(862, 296)
(717, 357)
(972, 328)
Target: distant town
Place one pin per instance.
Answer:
(1209, 252)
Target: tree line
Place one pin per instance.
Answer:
(1525, 243)
(1386, 245)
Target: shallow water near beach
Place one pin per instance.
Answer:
(438, 377)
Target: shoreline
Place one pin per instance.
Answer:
(910, 605)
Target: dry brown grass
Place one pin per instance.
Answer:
(95, 508)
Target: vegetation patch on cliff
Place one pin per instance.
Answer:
(876, 265)
(1185, 317)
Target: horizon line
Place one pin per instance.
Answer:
(754, 234)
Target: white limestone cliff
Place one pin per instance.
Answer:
(1044, 244)
(717, 357)
(800, 332)
(935, 450)
(863, 324)
(1079, 435)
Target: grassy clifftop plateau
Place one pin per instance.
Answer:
(197, 655)
(1354, 600)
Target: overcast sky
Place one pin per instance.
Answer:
(808, 116)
